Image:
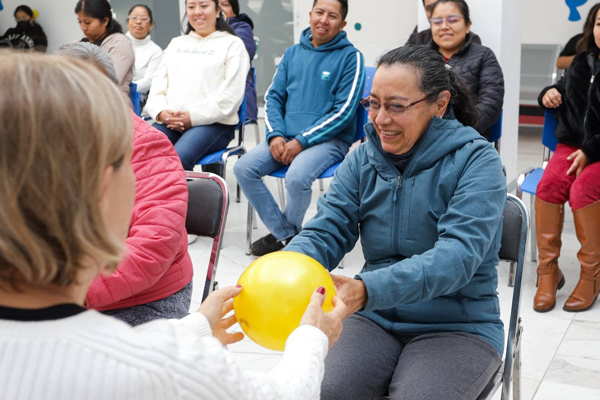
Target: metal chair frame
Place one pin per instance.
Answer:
(218, 237)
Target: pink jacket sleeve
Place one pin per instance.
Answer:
(158, 221)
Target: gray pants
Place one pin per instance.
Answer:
(367, 360)
(175, 306)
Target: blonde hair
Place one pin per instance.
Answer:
(62, 123)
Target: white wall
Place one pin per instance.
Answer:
(385, 26)
(547, 21)
(57, 18)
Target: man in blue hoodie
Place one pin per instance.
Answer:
(309, 113)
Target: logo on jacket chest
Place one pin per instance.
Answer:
(325, 75)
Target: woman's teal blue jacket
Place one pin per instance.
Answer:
(430, 236)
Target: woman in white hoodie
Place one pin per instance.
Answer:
(200, 84)
(147, 53)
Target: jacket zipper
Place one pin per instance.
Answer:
(587, 109)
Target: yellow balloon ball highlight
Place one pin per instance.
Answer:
(276, 291)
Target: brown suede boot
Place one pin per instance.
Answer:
(549, 219)
(587, 227)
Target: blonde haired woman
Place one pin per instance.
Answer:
(64, 224)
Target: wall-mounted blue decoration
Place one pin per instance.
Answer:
(1, 6)
(573, 4)
(358, 26)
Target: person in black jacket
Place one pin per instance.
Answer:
(425, 37)
(27, 35)
(476, 65)
(575, 45)
(243, 26)
(572, 174)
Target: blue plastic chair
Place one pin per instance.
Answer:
(136, 102)
(530, 178)
(496, 132)
(362, 117)
(254, 122)
(220, 157)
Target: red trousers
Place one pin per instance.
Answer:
(557, 187)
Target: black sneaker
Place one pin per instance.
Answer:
(266, 245)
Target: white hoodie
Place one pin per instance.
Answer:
(203, 75)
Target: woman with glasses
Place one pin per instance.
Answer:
(147, 53)
(474, 63)
(96, 21)
(27, 35)
(425, 195)
(199, 86)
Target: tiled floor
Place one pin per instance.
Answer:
(560, 350)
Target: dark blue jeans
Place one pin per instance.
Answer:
(198, 141)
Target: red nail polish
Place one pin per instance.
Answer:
(238, 286)
(321, 290)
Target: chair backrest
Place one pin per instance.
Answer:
(549, 131)
(362, 116)
(208, 200)
(496, 129)
(515, 227)
(134, 96)
(208, 204)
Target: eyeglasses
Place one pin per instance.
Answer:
(451, 20)
(391, 108)
(138, 18)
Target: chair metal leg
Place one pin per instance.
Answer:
(517, 376)
(321, 186)
(533, 239)
(511, 274)
(249, 228)
(254, 219)
(341, 266)
(281, 192)
(257, 133)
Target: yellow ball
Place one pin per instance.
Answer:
(276, 291)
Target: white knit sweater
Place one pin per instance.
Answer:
(147, 59)
(203, 75)
(93, 356)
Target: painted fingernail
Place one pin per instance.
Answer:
(238, 286)
(321, 290)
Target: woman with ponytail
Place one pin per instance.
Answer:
(425, 195)
(199, 86)
(96, 21)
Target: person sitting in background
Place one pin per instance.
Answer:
(309, 113)
(95, 19)
(154, 280)
(576, 44)
(573, 174)
(147, 53)
(425, 194)
(199, 87)
(243, 26)
(475, 64)
(425, 37)
(27, 35)
(65, 224)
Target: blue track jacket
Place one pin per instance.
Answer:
(315, 92)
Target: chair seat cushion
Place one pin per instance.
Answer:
(530, 183)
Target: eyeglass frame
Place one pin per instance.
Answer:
(441, 20)
(141, 18)
(386, 105)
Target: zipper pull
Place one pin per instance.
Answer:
(398, 186)
(593, 77)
